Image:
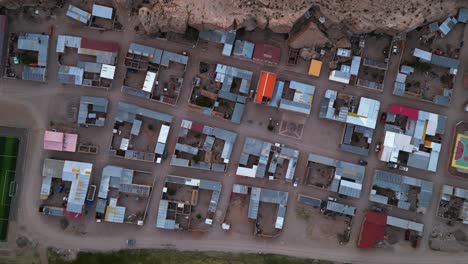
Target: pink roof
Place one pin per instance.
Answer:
(60, 141)
(70, 142)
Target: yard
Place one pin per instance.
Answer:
(319, 175)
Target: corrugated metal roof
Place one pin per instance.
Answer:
(70, 75)
(463, 15)
(444, 61)
(102, 11)
(34, 74)
(35, 42)
(341, 208)
(78, 14)
(167, 57)
(244, 48)
(307, 200)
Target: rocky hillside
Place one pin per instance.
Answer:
(358, 16)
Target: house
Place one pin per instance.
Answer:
(60, 141)
(265, 87)
(78, 173)
(267, 53)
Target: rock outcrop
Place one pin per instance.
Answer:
(356, 16)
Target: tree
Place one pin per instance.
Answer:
(196, 158)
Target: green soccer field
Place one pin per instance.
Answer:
(8, 154)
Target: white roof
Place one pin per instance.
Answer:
(247, 172)
(279, 222)
(163, 134)
(149, 81)
(102, 11)
(107, 71)
(343, 52)
(367, 113)
(401, 77)
(432, 124)
(339, 76)
(124, 144)
(393, 144)
(404, 224)
(422, 54)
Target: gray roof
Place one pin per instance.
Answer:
(253, 146)
(434, 26)
(354, 149)
(418, 161)
(343, 168)
(167, 57)
(444, 61)
(243, 48)
(136, 189)
(307, 200)
(87, 66)
(226, 38)
(202, 184)
(299, 107)
(241, 189)
(101, 205)
(400, 185)
(463, 15)
(78, 14)
(186, 148)
(99, 104)
(341, 208)
(237, 113)
(70, 75)
(127, 113)
(35, 42)
(34, 74)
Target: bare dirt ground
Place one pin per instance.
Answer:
(28, 104)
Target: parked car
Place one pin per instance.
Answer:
(395, 49)
(466, 107)
(377, 146)
(130, 242)
(362, 162)
(392, 165)
(403, 168)
(383, 117)
(407, 234)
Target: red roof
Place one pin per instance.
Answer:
(99, 45)
(67, 214)
(373, 228)
(466, 79)
(266, 86)
(268, 53)
(197, 127)
(411, 113)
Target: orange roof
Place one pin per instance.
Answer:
(266, 85)
(315, 67)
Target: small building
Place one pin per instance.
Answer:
(373, 229)
(244, 49)
(78, 173)
(93, 111)
(463, 15)
(265, 87)
(267, 53)
(60, 141)
(447, 25)
(315, 67)
(78, 14)
(222, 37)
